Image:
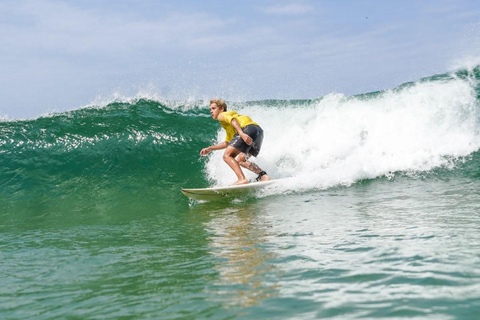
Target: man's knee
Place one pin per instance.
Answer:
(241, 157)
(229, 154)
(226, 156)
(242, 160)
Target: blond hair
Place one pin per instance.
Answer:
(220, 103)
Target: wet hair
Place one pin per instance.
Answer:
(220, 103)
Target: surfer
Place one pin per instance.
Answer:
(243, 140)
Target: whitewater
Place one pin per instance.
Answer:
(339, 140)
(377, 215)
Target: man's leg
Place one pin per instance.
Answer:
(229, 158)
(243, 161)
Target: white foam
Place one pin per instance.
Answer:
(340, 140)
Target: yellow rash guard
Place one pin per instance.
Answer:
(228, 116)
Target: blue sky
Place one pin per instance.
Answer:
(60, 55)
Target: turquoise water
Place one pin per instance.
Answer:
(378, 221)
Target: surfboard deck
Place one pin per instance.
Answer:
(225, 192)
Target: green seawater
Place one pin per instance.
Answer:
(93, 226)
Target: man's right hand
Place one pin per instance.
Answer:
(205, 151)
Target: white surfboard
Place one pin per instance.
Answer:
(226, 192)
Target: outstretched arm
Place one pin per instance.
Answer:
(248, 140)
(221, 145)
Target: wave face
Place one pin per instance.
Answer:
(129, 151)
(145, 149)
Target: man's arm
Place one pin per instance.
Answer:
(221, 145)
(248, 140)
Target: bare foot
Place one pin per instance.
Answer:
(241, 181)
(264, 178)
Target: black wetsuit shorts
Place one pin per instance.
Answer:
(256, 133)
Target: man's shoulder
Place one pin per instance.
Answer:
(227, 116)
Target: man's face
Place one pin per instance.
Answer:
(215, 110)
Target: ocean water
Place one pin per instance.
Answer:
(379, 217)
